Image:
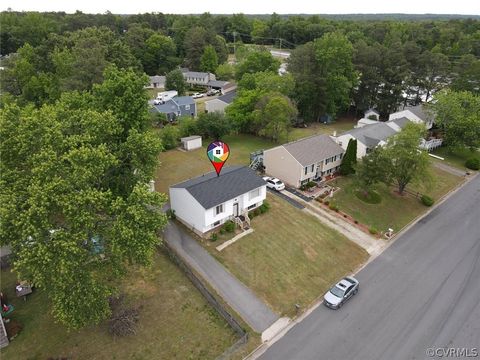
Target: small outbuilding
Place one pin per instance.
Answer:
(191, 142)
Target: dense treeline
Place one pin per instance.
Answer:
(335, 63)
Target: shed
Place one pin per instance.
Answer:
(191, 142)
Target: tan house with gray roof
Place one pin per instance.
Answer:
(304, 160)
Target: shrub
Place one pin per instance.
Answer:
(171, 214)
(229, 226)
(169, 137)
(473, 164)
(214, 237)
(319, 199)
(311, 184)
(326, 202)
(264, 207)
(355, 221)
(13, 328)
(427, 200)
(222, 231)
(345, 216)
(257, 211)
(333, 207)
(372, 230)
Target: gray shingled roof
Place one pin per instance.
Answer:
(184, 100)
(217, 83)
(372, 134)
(420, 111)
(211, 190)
(313, 149)
(228, 97)
(196, 74)
(401, 122)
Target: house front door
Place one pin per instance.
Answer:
(235, 209)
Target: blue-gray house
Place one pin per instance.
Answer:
(178, 106)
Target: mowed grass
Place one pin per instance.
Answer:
(394, 211)
(290, 258)
(175, 322)
(456, 157)
(176, 166)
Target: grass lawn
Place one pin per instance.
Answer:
(176, 166)
(175, 323)
(340, 125)
(291, 257)
(393, 211)
(456, 157)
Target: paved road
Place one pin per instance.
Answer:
(422, 292)
(238, 296)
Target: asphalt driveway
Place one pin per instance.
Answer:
(252, 310)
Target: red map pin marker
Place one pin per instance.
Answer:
(218, 153)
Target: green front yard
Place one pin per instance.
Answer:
(456, 157)
(393, 211)
(290, 257)
(175, 322)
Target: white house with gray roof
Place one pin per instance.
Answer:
(298, 162)
(416, 114)
(207, 201)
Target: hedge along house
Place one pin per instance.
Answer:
(207, 201)
(309, 159)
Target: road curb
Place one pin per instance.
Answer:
(261, 349)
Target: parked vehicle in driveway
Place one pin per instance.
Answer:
(212, 92)
(274, 183)
(341, 292)
(197, 95)
(164, 96)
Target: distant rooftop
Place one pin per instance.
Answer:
(228, 97)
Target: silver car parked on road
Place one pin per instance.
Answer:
(341, 292)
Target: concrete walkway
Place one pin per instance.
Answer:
(252, 310)
(369, 243)
(448, 168)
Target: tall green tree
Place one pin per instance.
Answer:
(71, 228)
(334, 53)
(274, 116)
(257, 61)
(213, 125)
(160, 55)
(457, 113)
(175, 81)
(349, 160)
(209, 60)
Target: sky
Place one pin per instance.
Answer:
(464, 7)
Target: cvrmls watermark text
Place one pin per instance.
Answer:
(452, 352)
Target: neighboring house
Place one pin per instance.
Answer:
(372, 114)
(223, 86)
(156, 81)
(365, 121)
(191, 142)
(304, 160)
(219, 104)
(369, 136)
(205, 202)
(197, 78)
(416, 114)
(178, 106)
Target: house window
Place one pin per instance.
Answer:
(216, 223)
(252, 206)
(306, 170)
(187, 107)
(313, 166)
(341, 156)
(253, 194)
(219, 209)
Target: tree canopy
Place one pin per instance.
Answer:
(75, 205)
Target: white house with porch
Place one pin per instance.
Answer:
(207, 201)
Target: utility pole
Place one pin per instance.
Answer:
(235, 45)
(280, 43)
